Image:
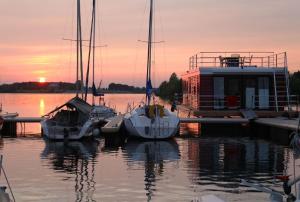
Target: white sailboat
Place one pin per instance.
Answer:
(76, 118)
(151, 121)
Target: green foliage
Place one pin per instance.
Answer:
(168, 89)
(295, 83)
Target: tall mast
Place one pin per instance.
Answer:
(80, 48)
(94, 43)
(77, 52)
(148, 78)
(91, 49)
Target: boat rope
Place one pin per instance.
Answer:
(6, 178)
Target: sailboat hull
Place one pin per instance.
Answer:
(141, 126)
(66, 132)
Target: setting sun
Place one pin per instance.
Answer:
(42, 79)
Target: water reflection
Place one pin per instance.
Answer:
(42, 107)
(153, 155)
(224, 162)
(75, 158)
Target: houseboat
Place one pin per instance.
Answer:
(237, 80)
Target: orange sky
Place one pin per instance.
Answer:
(31, 44)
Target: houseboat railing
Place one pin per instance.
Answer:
(215, 102)
(238, 59)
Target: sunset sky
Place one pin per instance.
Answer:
(31, 33)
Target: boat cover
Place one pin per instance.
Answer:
(75, 103)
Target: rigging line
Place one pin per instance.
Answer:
(12, 194)
(102, 34)
(160, 22)
(154, 47)
(139, 33)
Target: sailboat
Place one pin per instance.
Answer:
(76, 118)
(151, 121)
(99, 112)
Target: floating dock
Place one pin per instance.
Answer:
(23, 119)
(114, 125)
(279, 122)
(215, 120)
(10, 124)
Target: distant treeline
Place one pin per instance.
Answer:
(125, 88)
(37, 87)
(63, 87)
(171, 89)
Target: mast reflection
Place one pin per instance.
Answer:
(75, 158)
(153, 155)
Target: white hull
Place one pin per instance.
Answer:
(53, 132)
(141, 126)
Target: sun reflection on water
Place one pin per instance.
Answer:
(42, 107)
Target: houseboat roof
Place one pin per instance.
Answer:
(237, 62)
(236, 71)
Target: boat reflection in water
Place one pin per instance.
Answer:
(77, 158)
(153, 155)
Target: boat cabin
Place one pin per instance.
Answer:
(75, 111)
(236, 80)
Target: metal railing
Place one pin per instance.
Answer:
(237, 59)
(213, 102)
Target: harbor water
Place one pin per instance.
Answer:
(181, 169)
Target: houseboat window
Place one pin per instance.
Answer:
(233, 87)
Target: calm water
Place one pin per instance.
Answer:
(116, 170)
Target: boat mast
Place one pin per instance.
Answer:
(94, 43)
(148, 78)
(91, 49)
(79, 52)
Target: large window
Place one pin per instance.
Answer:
(233, 87)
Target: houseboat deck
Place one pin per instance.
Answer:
(238, 80)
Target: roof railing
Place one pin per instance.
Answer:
(238, 59)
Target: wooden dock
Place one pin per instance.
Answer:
(279, 122)
(10, 126)
(215, 120)
(114, 125)
(22, 119)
